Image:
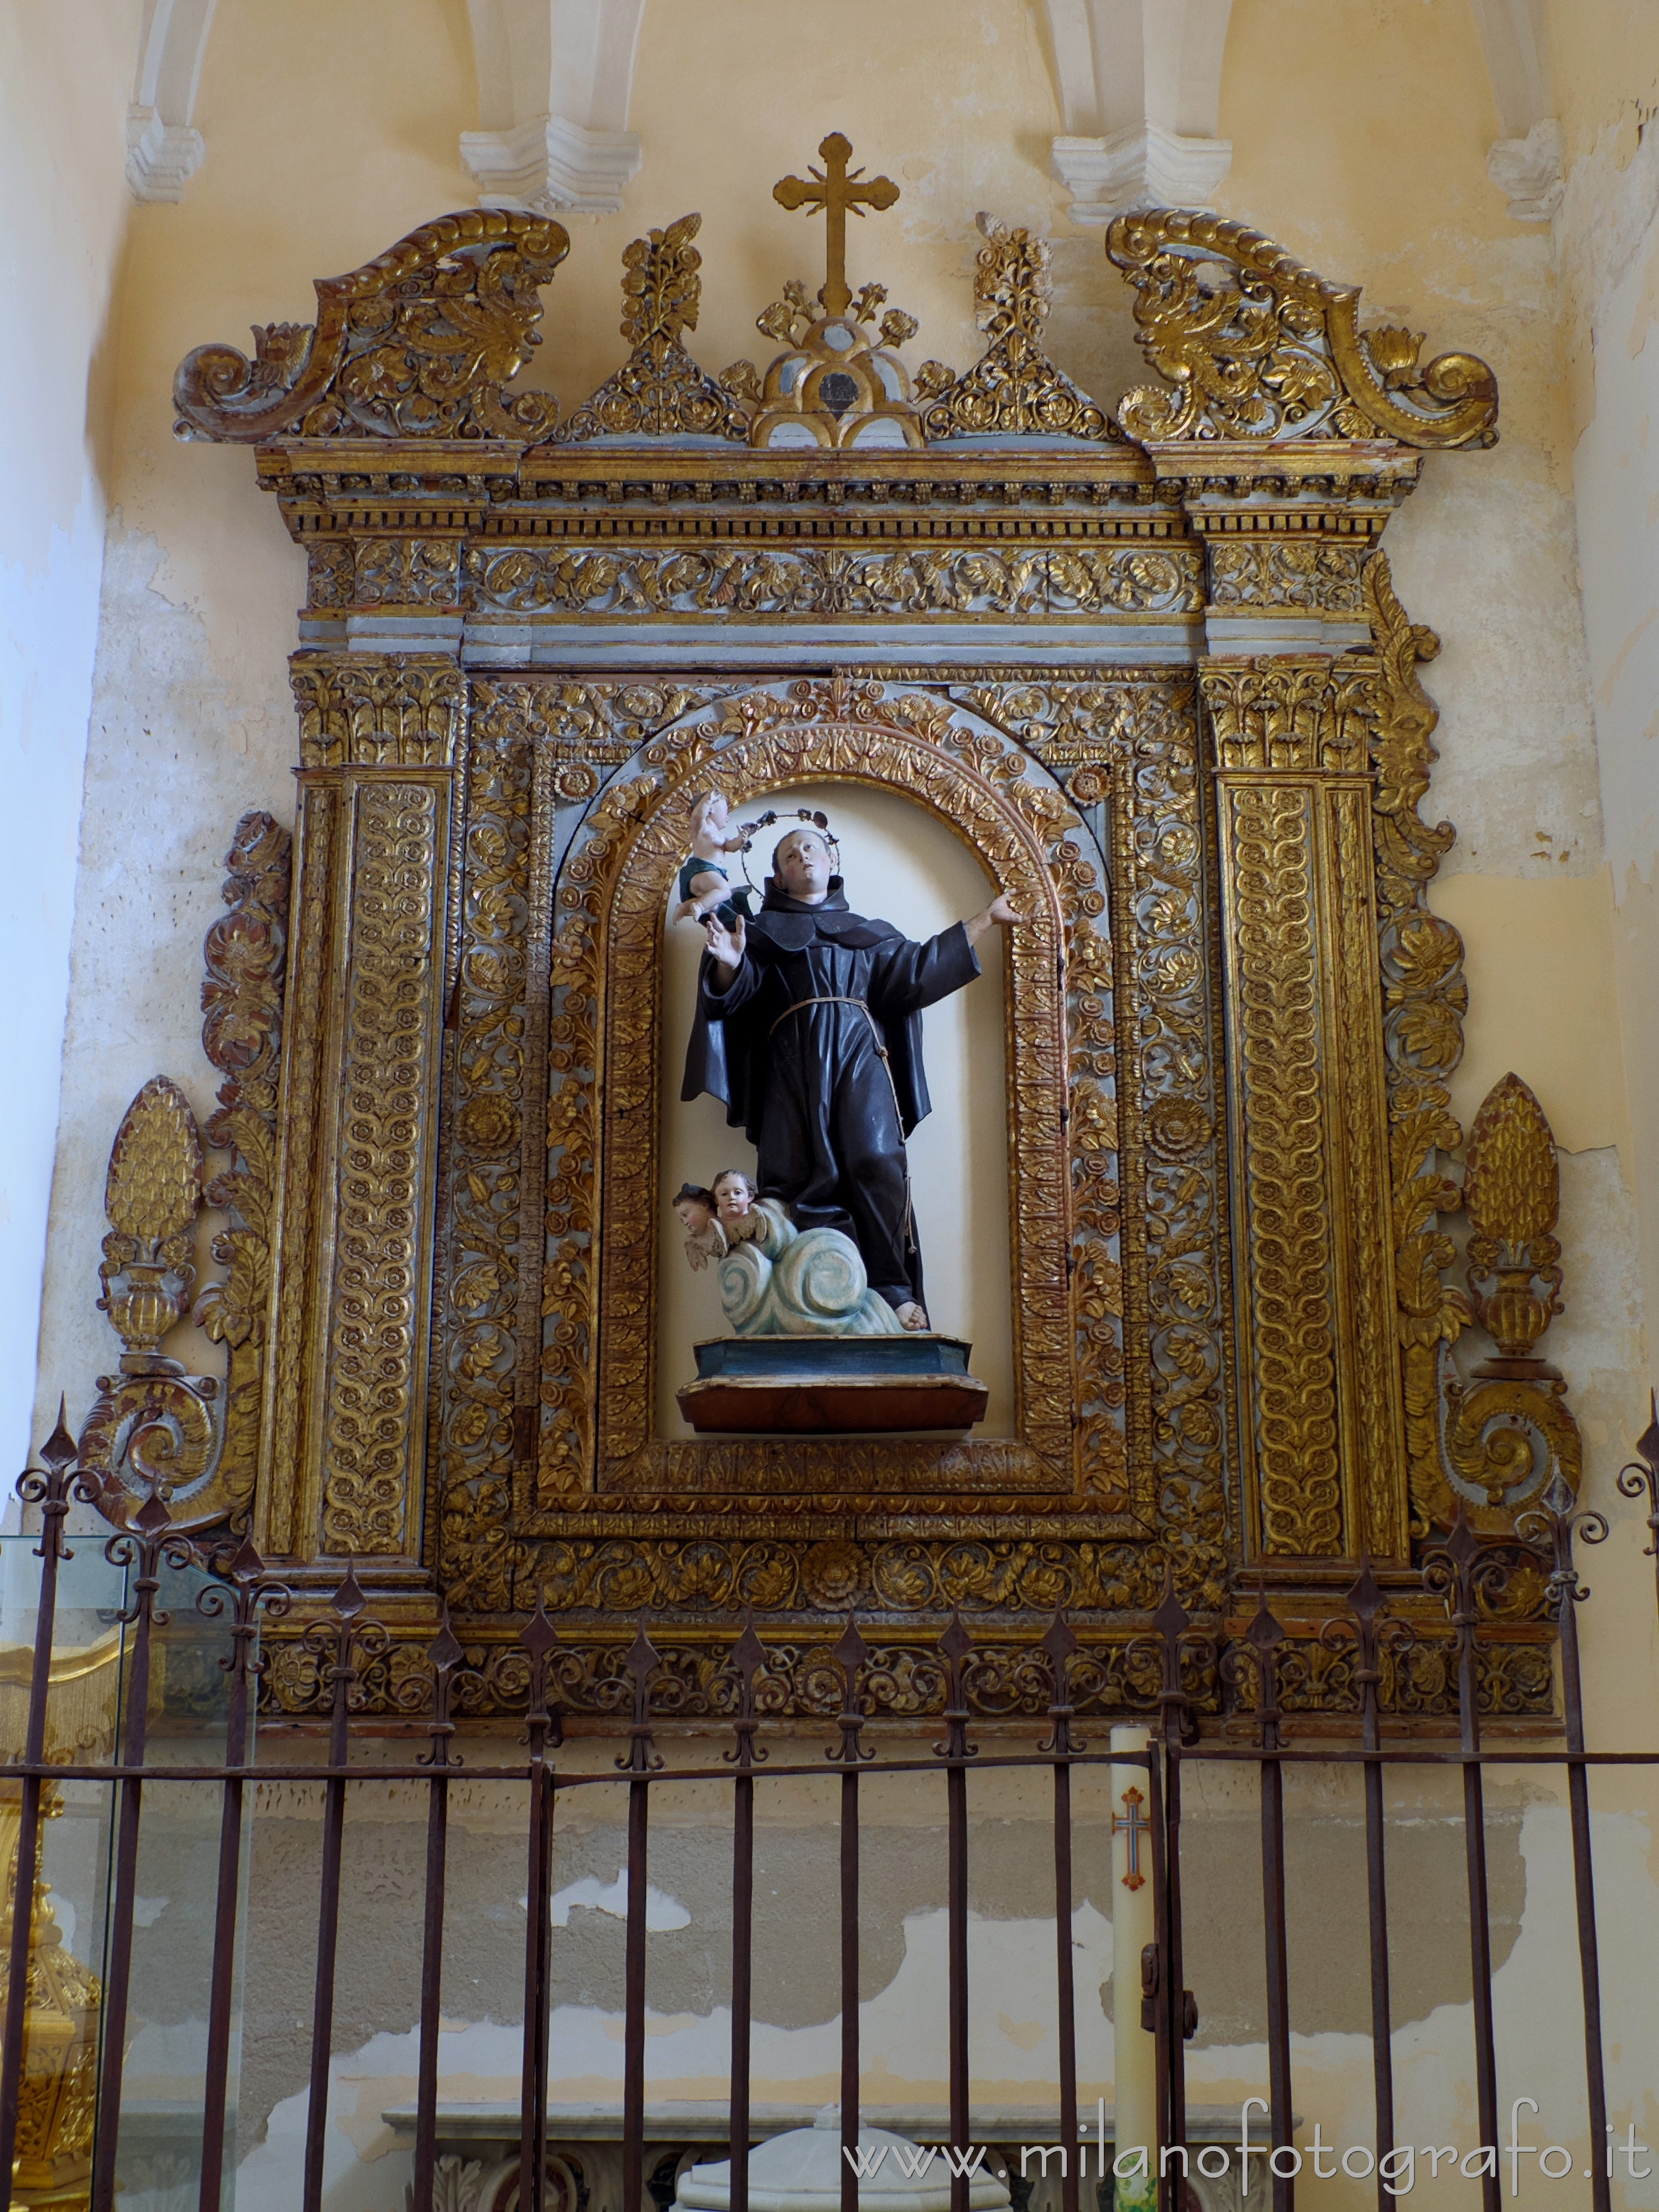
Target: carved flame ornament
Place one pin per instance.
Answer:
(1256, 346)
(153, 1425)
(1512, 1195)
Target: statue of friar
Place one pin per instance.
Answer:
(808, 1027)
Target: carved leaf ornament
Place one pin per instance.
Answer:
(419, 343)
(1256, 346)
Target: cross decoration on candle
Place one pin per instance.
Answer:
(1132, 1823)
(832, 193)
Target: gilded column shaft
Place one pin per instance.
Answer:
(1308, 1109)
(347, 1426)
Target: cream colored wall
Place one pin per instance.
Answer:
(66, 72)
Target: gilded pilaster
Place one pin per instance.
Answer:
(1313, 1243)
(380, 743)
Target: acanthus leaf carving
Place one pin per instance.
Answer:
(246, 956)
(1255, 346)
(420, 342)
(1491, 1444)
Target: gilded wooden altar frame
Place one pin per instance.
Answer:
(1150, 665)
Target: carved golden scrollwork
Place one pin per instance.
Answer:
(660, 392)
(363, 710)
(1512, 1196)
(1256, 346)
(1506, 1431)
(1014, 388)
(153, 1426)
(1132, 744)
(1490, 1444)
(246, 954)
(1127, 578)
(420, 342)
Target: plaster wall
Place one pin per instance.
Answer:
(65, 73)
(1606, 61)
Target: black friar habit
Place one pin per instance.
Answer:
(793, 1047)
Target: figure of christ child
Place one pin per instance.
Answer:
(704, 883)
(808, 1028)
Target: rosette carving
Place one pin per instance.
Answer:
(420, 342)
(1255, 346)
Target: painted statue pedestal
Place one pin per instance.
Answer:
(832, 1385)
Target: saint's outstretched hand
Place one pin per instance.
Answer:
(726, 946)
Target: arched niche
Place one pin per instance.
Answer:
(600, 1430)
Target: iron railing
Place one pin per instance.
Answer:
(1262, 1671)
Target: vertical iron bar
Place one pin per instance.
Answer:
(538, 1640)
(145, 1549)
(849, 1987)
(1278, 1992)
(249, 1591)
(1171, 1620)
(1457, 1571)
(1161, 1939)
(640, 1661)
(954, 1644)
(850, 1654)
(336, 1644)
(1060, 1643)
(748, 1657)
(742, 1915)
(1365, 1604)
(446, 1655)
(956, 1789)
(51, 1492)
(1559, 1517)
(1065, 1982)
(1263, 1638)
(639, 1797)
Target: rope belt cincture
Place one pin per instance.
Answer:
(831, 999)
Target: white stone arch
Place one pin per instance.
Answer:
(164, 148)
(555, 78)
(1525, 162)
(1139, 89)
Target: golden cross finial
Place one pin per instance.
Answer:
(834, 192)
